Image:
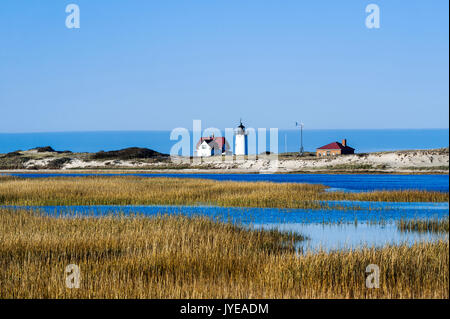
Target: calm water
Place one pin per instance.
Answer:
(325, 229)
(346, 182)
(373, 224)
(341, 237)
(288, 140)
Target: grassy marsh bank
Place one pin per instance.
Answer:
(179, 257)
(130, 190)
(428, 225)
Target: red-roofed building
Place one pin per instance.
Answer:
(209, 146)
(335, 148)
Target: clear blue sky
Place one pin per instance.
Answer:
(156, 65)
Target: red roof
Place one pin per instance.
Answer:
(220, 141)
(335, 146)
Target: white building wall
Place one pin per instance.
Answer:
(241, 144)
(204, 150)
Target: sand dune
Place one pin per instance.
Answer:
(399, 161)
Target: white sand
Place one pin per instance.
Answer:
(379, 161)
(387, 161)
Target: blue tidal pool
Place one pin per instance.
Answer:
(372, 224)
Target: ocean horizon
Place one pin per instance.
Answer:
(370, 140)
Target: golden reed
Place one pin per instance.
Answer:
(129, 190)
(424, 225)
(179, 257)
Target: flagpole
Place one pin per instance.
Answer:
(301, 137)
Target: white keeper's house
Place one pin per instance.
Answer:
(210, 146)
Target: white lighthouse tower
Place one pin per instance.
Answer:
(241, 140)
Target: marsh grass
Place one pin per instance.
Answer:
(130, 190)
(180, 257)
(424, 225)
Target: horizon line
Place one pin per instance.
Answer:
(190, 130)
